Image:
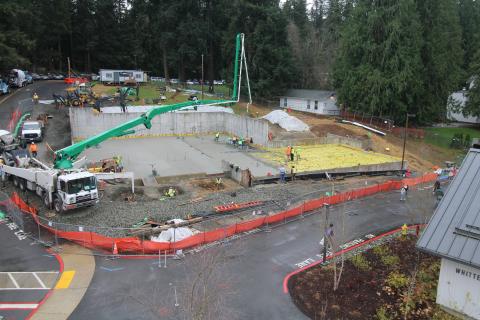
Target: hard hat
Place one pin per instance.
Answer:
(33, 142)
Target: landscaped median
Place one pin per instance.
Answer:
(133, 245)
(382, 278)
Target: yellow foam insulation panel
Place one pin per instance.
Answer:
(325, 156)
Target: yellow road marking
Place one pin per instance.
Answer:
(65, 279)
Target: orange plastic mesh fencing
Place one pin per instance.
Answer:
(134, 245)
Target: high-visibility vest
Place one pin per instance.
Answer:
(33, 148)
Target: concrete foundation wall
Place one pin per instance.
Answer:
(84, 123)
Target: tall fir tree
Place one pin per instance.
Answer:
(379, 67)
(271, 67)
(442, 54)
(470, 22)
(472, 107)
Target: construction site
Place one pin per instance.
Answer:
(198, 165)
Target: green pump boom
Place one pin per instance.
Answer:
(64, 158)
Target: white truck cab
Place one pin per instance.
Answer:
(75, 190)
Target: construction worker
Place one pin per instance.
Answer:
(288, 152)
(292, 154)
(217, 136)
(282, 174)
(171, 192)
(33, 149)
(403, 194)
(404, 229)
(218, 182)
(293, 172)
(297, 153)
(35, 98)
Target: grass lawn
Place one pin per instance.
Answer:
(442, 137)
(150, 91)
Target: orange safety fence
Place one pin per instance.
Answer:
(134, 245)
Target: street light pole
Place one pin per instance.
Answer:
(325, 240)
(202, 76)
(405, 139)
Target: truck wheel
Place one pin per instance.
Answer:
(15, 182)
(46, 200)
(75, 102)
(22, 185)
(58, 204)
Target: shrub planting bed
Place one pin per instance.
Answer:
(390, 281)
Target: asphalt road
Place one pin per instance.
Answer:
(27, 271)
(244, 275)
(21, 99)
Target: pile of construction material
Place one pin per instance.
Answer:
(170, 231)
(286, 121)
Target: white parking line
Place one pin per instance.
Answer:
(21, 281)
(39, 280)
(15, 272)
(13, 280)
(20, 306)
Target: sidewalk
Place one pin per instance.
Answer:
(79, 267)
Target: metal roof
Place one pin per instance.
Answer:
(309, 94)
(454, 229)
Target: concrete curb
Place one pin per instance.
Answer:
(49, 293)
(59, 303)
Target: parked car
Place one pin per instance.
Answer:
(58, 76)
(4, 87)
(36, 76)
(32, 131)
(95, 77)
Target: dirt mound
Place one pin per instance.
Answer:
(211, 185)
(321, 130)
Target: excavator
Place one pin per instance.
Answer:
(66, 157)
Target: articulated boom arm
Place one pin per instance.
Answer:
(65, 157)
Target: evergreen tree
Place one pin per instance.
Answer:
(15, 40)
(270, 62)
(296, 11)
(442, 54)
(379, 66)
(470, 22)
(473, 103)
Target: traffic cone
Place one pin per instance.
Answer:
(115, 249)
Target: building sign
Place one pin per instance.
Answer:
(459, 288)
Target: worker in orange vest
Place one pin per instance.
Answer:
(33, 149)
(288, 152)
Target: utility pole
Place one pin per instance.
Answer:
(68, 62)
(202, 76)
(405, 139)
(325, 240)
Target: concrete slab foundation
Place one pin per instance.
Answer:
(173, 156)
